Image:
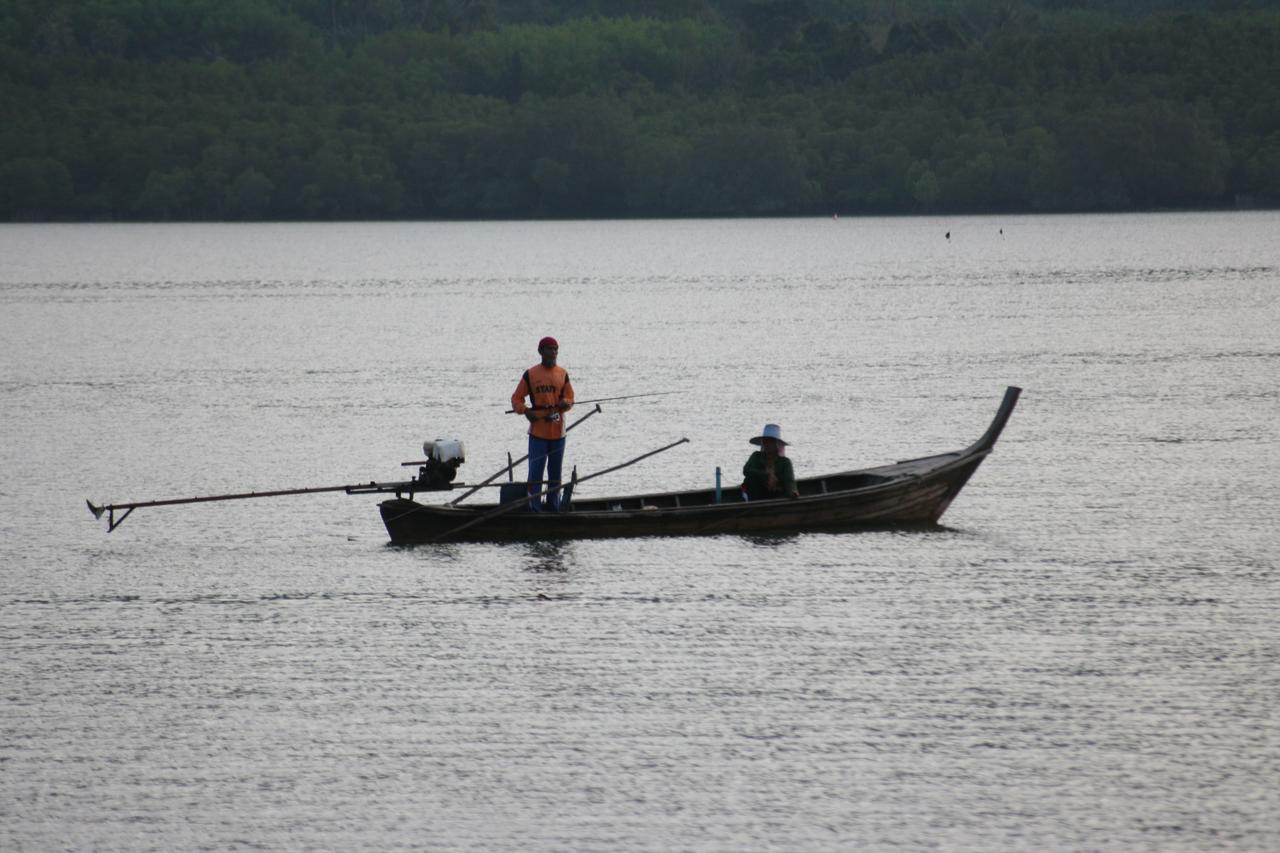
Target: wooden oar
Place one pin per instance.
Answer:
(512, 465)
(524, 500)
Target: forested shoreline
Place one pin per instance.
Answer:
(452, 109)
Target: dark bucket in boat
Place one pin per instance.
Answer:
(514, 491)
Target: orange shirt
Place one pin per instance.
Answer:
(544, 387)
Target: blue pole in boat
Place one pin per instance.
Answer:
(717, 484)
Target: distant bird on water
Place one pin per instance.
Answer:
(948, 235)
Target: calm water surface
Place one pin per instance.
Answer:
(1084, 656)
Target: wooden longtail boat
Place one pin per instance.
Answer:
(917, 491)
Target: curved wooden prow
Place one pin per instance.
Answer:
(988, 439)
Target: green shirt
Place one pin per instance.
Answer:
(757, 478)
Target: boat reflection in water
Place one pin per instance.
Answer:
(547, 557)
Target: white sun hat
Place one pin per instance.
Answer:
(770, 431)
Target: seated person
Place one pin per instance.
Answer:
(768, 472)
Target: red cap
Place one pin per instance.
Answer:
(548, 341)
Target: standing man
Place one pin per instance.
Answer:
(550, 396)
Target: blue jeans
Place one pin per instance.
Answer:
(549, 453)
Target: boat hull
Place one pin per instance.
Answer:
(914, 492)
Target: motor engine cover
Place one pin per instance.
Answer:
(445, 449)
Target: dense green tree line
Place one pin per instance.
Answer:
(320, 109)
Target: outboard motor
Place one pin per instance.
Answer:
(443, 458)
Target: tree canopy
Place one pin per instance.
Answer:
(368, 109)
